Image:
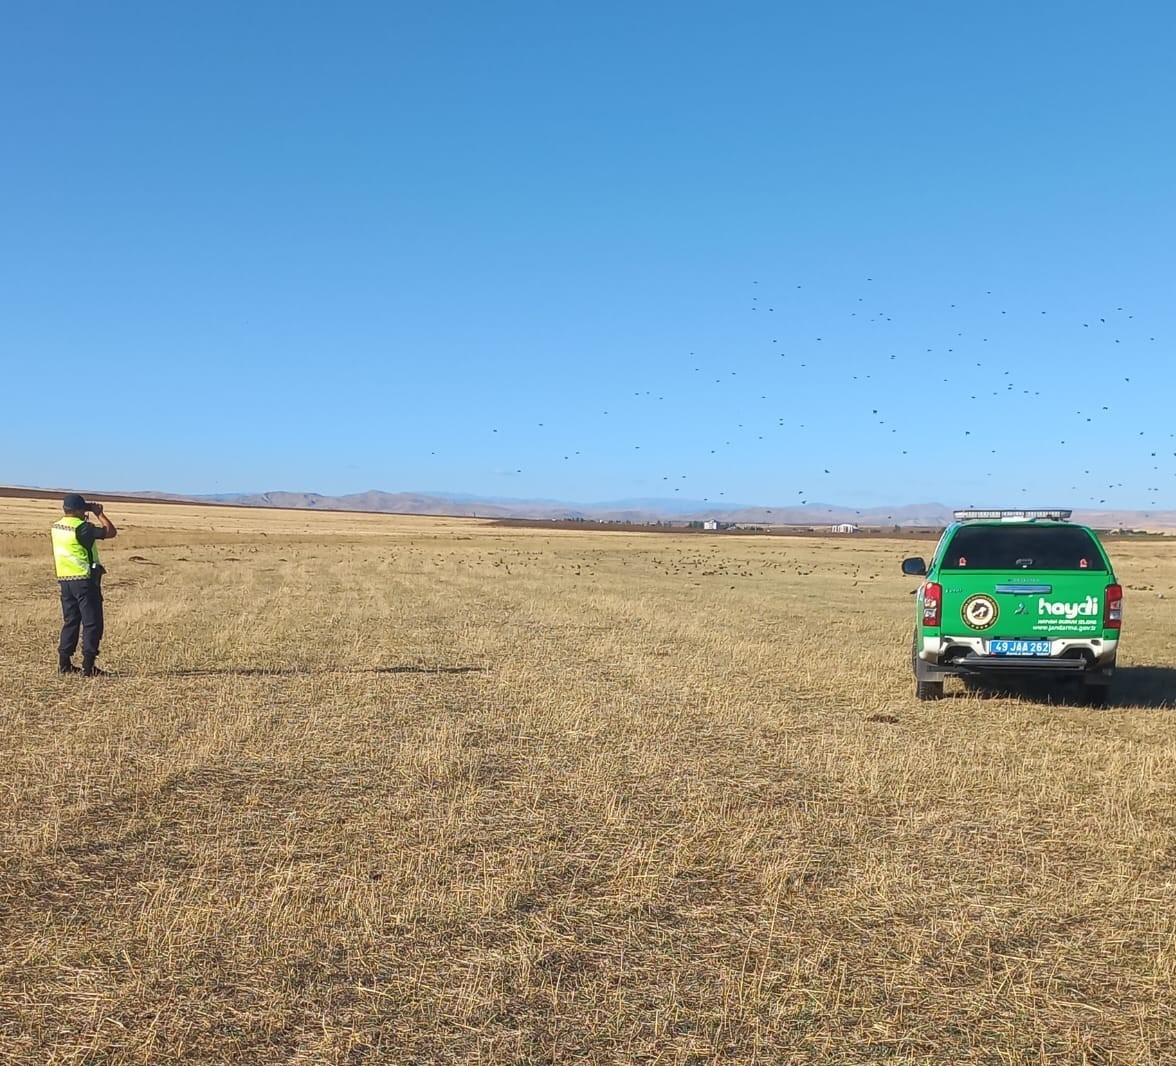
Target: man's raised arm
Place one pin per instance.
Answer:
(98, 512)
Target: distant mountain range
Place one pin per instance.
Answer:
(642, 511)
(652, 510)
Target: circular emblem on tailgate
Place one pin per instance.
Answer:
(980, 611)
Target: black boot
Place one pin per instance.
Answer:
(89, 669)
(65, 665)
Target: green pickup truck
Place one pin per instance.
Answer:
(1016, 593)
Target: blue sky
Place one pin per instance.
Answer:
(757, 252)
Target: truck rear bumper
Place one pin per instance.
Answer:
(938, 649)
(946, 656)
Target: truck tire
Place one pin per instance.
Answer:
(928, 690)
(924, 690)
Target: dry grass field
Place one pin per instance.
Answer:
(369, 789)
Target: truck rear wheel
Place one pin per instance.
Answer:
(928, 690)
(924, 690)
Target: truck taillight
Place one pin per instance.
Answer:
(932, 603)
(1113, 612)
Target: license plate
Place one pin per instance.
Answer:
(1019, 647)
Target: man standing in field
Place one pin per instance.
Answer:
(79, 573)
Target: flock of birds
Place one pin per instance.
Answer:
(1004, 400)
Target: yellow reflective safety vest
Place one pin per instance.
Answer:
(72, 558)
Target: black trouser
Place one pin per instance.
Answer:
(81, 608)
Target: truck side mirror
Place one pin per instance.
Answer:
(914, 566)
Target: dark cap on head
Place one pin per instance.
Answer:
(74, 502)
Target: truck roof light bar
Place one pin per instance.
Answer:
(973, 515)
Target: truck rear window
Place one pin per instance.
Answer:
(1022, 548)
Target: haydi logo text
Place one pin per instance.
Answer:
(1088, 608)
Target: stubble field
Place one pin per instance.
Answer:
(367, 789)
